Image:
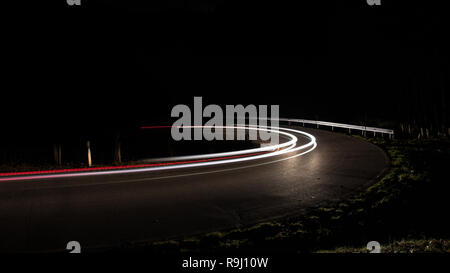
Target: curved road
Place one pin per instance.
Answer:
(108, 210)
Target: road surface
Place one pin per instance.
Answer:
(109, 210)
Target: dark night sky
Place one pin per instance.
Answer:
(120, 62)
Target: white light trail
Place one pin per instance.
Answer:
(275, 150)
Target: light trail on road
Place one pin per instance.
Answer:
(188, 161)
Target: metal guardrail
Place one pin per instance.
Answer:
(333, 125)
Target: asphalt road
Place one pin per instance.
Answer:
(108, 210)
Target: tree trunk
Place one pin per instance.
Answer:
(57, 154)
(117, 151)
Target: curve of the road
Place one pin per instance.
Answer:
(113, 208)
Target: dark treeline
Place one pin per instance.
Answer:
(99, 71)
(424, 110)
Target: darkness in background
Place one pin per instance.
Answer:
(71, 73)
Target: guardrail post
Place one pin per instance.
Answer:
(88, 144)
(349, 131)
